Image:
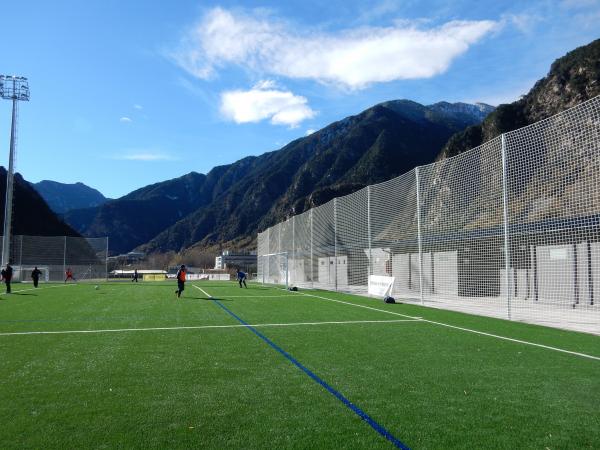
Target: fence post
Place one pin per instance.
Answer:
(21, 257)
(268, 251)
(506, 235)
(419, 239)
(335, 241)
(312, 277)
(293, 247)
(279, 239)
(287, 270)
(65, 255)
(106, 270)
(369, 229)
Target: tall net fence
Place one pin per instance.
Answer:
(510, 229)
(53, 255)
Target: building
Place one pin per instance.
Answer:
(127, 258)
(228, 260)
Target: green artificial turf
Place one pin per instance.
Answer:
(222, 386)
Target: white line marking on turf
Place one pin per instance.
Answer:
(548, 347)
(257, 296)
(205, 293)
(203, 327)
(38, 289)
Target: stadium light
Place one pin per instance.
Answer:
(16, 89)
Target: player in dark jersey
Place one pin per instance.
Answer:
(241, 277)
(180, 280)
(7, 276)
(35, 276)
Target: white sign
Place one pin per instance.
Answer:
(558, 253)
(381, 286)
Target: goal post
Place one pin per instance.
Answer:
(23, 273)
(273, 268)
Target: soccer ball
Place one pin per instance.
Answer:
(96, 287)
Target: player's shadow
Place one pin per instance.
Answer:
(141, 284)
(19, 293)
(208, 298)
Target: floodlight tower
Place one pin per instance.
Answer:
(15, 89)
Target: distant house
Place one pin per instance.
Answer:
(128, 258)
(228, 260)
(144, 274)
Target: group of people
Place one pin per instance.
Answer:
(7, 274)
(181, 278)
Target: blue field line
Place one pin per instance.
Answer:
(359, 412)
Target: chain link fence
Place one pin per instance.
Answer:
(510, 229)
(53, 255)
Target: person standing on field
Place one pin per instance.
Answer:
(241, 277)
(35, 276)
(135, 276)
(7, 276)
(69, 275)
(180, 280)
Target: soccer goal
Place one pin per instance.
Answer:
(273, 269)
(23, 273)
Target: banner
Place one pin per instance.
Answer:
(380, 286)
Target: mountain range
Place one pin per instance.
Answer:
(231, 202)
(572, 79)
(31, 214)
(63, 197)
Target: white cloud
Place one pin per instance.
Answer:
(263, 102)
(524, 22)
(352, 58)
(125, 120)
(149, 155)
(138, 107)
(309, 132)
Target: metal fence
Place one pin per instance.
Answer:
(509, 229)
(86, 257)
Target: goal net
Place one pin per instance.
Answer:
(53, 255)
(273, 269)
(509, 229)
(23, 273)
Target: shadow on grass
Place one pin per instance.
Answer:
(147, 284)
(205, 298)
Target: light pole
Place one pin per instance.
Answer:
(15, 89)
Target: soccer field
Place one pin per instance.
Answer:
(130, 366)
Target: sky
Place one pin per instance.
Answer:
(127, 93)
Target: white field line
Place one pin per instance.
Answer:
(256, 296)
(469, 330)
(204, 327)
(38, 289)
(203, 291)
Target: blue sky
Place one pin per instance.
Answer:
(128, 93)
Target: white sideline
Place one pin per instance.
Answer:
(202, 327)
(203, 291)
(257, 296)
(38, 289)
(469, 330)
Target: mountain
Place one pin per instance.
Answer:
(31, 215)
(478, 110)
(62, 197)
(140, 215)
(375, 145)
(572, 79)
(233, 201)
